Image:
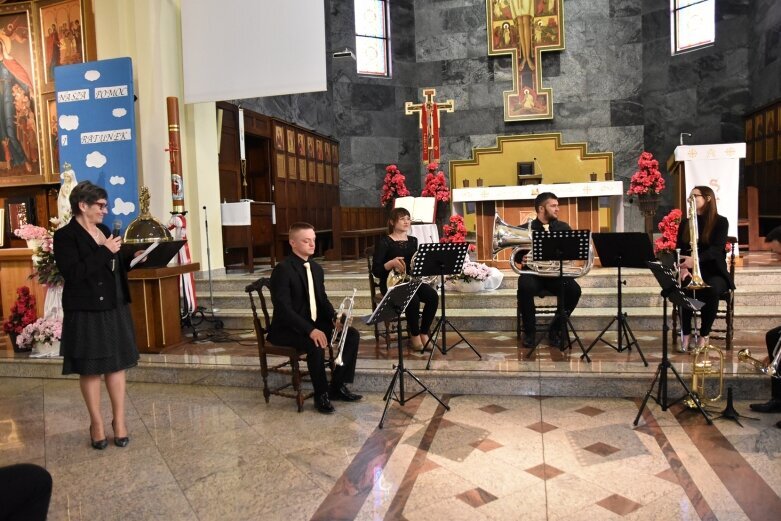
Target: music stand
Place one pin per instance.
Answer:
(391, 307)
(670, 291)
(622, 250)
(559, 246)
(437, 258)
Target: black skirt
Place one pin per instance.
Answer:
(99, 342)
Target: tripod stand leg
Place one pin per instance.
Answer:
(389, 395)
(648, 394)
(569, 326)
(691, 395)
(631, 339)
(426, 389)
(599, 337)
(454, 328)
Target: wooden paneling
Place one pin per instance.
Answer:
(763, 167)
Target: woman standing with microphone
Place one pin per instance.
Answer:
(98, 337)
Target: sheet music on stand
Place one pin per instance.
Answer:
(668, 281)
(439, 258)
(559, 245)
(394, 302)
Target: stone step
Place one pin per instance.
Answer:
(598, 278)
(506, 298)
(584, 319)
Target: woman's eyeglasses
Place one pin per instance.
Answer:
(101, 206)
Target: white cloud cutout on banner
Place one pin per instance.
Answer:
(119, 112)
(123, 207)
(91, 75)
(117, 180)
(69, 122)
(96, 159)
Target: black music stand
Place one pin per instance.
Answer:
(672, 292)
(391, 307)
(437, 258)
(560, 246)
(622, 250)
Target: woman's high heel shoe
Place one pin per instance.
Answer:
(97, 444)
(119, 442)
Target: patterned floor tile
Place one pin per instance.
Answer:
(602, 449)
(476, 497)
(544, 472)
(486, 445)
(541, 427)
(589, 411)
(619, 504)
(493, 409)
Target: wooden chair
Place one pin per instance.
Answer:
(543, 317)
(388, 329)
(292, 366)
(726, 312)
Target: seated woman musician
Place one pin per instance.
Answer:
(393, 252)
(712, 230)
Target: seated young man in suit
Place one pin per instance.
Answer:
(771, 340)
(547, 207)
(305, 319)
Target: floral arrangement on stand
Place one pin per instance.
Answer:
(455, 231)
(42, 331)
(21, 314)
(648, 179)
(436, 186)
(31, 233)
(669, 228)
(45, 269)
(394, 185)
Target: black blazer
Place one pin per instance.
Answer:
(291, 300)
(713, 257)
(86, 268)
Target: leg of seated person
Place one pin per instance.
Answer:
(528, 287)
(710, 296)
(413, 321)
(26, 492)
(430, 299)
(345, 373)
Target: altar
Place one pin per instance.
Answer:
(596, 206)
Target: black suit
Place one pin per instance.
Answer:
(86, 268)
(713, 266)
(530, 286)
(292, 322)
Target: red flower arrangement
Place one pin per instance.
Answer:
(669, 228)
(648, 179)
(393, 186)
(455, 231)
(436, 184)
(22, 311)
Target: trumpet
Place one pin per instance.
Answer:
(704, 368)
(345, 316)
(771, 369)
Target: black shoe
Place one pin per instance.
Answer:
(773, 405)
(529, 341)
(119, 442)
(556, 339)
(323, 404)
(98, 444)
(343, 393)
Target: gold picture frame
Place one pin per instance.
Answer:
(50, 132)
(63, 38)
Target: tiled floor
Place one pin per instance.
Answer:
(204, 453)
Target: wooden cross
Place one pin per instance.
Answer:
(428, 114)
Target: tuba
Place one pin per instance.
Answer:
(345, 316)
(696, 281)
(519, 238)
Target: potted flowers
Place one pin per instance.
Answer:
(436, 186)
(455, 231)
(45, 269)
(32, 234)
(21, 314)
(664, 246)
(394, 185)
(646, 183)
(44, 334)
(471, 278)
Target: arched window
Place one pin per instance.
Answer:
(372, 41)
(693, 24)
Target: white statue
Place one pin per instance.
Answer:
(68, 177)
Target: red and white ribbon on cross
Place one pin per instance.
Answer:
(178, 226)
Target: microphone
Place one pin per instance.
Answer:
(115, 233)
(117, 228)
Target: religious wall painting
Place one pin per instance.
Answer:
(291, 141)
(319, 150)
(19, 211)
(51, 134)
(19, 152)
(524, 29)
(310, 147)
(300, 147)
(335, 155)
(327, 152)
(61, 36)
(428, 113)
(279, 138)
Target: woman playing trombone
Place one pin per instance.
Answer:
(394, 252)
(711, 243)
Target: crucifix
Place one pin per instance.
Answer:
(428, 113)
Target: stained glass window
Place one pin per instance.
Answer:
(372, 44)
(693, 24)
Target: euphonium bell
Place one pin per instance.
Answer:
(704, 368)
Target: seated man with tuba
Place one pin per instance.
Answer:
(709, 250)
(773, 342)
(392, 258)
(547, 207)
(304, 318)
